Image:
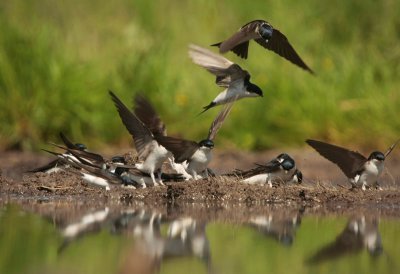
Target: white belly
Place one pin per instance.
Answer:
(95, 180)
(154, 160)
(235, 92)
(180, 168)
(257, 179)
(369, 177)
(199, 161)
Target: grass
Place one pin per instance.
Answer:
(59, 58)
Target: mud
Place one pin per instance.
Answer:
(325, 188)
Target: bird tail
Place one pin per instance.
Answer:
(216, 44)
(212, 104)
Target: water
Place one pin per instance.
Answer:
(69, 238)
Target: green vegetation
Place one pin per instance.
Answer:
(59, 58)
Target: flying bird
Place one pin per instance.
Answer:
(361, 171)
(280, 169)
(267, 36)
(150, 151)
(229, 75)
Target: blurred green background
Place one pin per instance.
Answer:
(58, 59)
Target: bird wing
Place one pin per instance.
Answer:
(85, 157)
(271, 166)
(219, 120)
(110, 177)
(239, 41)
(280, 45)
(216, 64)
(225, 71)
(180, 148)
(348, 161)
(391, 148)
(67, 142)
(231, 75)
(141, 135)
(46, 167)
(145, 111)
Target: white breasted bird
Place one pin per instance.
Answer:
(150, 151)
(280, 169)
(361, 171)
(229, 75)
(267, 36)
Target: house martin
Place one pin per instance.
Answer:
(267, 36)
(361, 171)
(229, 75)
(150, 151)
(55, 165)
(280, 169)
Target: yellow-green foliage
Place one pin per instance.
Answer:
(59, 58)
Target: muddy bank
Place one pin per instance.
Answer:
(220, 190)
(324, 185)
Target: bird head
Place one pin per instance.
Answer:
(207, 143)
(80, 146)
(265, 31)
(252, 88)
(377, 155)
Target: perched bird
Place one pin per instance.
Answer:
(361, 171)
(55, 165)
(95, 160)
(150, 151)
(190, 157)
(145, 111)
(281, 169)
(229, 75)
(195, 156)
(267, 36)
(102, 175)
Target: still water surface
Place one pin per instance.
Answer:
(140, 240)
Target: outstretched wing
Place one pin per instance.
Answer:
(348, 161)
(280, 45)
(219, 120)
(224, 70)
(141, 135)
(239, 41)
(391, 148)
(145, 111)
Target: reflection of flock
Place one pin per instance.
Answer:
(157, 237)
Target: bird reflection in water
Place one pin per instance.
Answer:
(185, 237)
(280, 225)
(360, 233)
